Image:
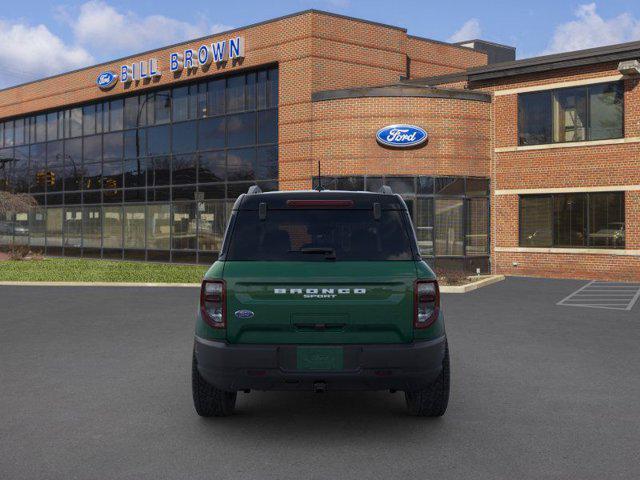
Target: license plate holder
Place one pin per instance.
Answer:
(319, 358)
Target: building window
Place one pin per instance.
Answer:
(591, 112)
(450, 214)
(576, 220)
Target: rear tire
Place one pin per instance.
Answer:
(208, 400)
(433, 400)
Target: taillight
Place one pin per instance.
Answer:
(427, 303)
(212, 299)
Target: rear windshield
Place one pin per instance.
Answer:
(320, 235)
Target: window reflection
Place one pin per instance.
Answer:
(97, 167)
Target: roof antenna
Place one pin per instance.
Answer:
(319, 178)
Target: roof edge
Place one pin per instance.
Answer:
(400, 90)
(555, 61)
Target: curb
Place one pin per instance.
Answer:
(99, 284)
(472, 286)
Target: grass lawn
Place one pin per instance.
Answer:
(83, 270)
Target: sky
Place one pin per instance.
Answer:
(39, 38)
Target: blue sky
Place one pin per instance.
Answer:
(43, 37)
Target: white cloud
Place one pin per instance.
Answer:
(591, 30)
(107, 31)
(469, 31)
(97, 31)
(29, 52)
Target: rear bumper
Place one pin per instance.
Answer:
(409, 366)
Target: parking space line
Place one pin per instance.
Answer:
(596, 294)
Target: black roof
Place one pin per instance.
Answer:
(278, 200)
(590, 56)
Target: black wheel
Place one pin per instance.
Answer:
(431, 401)
(207, 399)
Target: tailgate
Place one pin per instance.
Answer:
(319, 302)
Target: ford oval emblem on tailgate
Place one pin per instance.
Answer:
(244, 314)
(401, 136)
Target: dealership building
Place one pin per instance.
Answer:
(526, 167)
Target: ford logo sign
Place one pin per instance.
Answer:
(106, 80)
(401, 136)
(244, 314)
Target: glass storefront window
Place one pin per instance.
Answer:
(184, 226)
(423, 221)
(477, 239)
(73, 227)
(211, 224)
(92, 227)
(112, 227)
(97, 167)
(158, 226)
(449, 216)
(37, 226)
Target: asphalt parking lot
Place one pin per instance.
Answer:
(95, 384)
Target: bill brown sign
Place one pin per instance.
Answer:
(189, 59)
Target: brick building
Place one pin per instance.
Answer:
(531, 166)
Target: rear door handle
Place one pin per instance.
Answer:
(320, 327)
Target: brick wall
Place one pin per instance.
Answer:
(315, 51)
(344, 137)
(563, 167)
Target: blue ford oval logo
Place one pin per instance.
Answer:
(401, 136)
(106, 80)
(244, 314)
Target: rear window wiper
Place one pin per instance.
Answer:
(330, 253)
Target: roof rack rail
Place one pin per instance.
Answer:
(253, 189)
(385, 190)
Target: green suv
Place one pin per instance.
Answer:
(320, 290)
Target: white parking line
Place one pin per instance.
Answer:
(612, 296)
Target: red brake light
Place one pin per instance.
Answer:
(212, 303)
(427, 303)
(320, 203)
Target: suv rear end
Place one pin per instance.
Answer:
(320, 291)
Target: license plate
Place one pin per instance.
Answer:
(320, 358)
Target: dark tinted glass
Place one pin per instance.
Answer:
(536, 221)
(241, 130)
(112, 146)
(211, 134)
(606, 220)
(400, 184)
(92, 149)
(241, 164)
(215, 97)
(211, 167)
(91, 178)
(267, 162)
(268, 126)
(184, 169)
(425, 185)
(570, 115)
(184, 137)
(353, 235)
(158, 171)
(116, 121)
(131, 112)
(235, 93)
(570, 217)
(477, 186)
(158, 140)
(606, 111)
(449, 186)
(134, 173)
(534, 118)
(112, 175)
